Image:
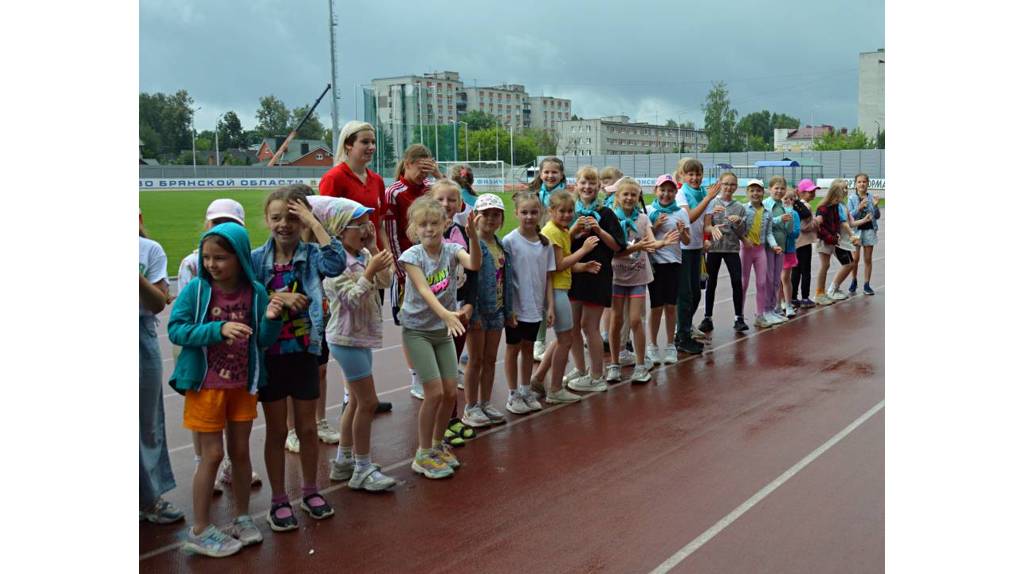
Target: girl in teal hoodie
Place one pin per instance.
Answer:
(223, 320)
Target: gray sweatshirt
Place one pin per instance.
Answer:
(731, 232)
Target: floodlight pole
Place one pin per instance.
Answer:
(335, 90)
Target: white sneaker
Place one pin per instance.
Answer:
(613, 373)
(669, 356)
(653, 357)
(326, 434)
(292, 442)
(778, 318)
(790, 311)
(416, 388)
(573, 374)
(532, 400)
(640, 375)
(589, 385)
(561, 396)
(838, 295)
(538, 351)
(627, 358)
(475, 417)
(762, 322)
(516, 405)
(491, 413)
(460, 378)
(824, 300)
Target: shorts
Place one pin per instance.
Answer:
(356, 362)
(488, 321)
(432, 354)
(789, 260)
(521, 332)
(563, 311)
(295, 375)
(209, 410)
(629, 291)
(825, 248)
(844, 256)
(868, 237)
(665, 286)
(325, 353)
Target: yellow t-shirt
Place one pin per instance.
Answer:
(499, 266)
(559, 237)
(754, 234)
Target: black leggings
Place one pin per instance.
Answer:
(801, 276)
(732, 263)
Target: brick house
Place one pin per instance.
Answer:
(298, 153)
(800, 139)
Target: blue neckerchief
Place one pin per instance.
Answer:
(545, 193)
(659, 209)
(627, 221)
(584, 211)
(609, 201)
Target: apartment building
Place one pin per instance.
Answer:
(616, 135)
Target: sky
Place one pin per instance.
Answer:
(648, 59)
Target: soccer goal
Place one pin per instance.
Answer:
(488, 176)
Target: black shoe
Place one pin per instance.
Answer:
(690, 346)
(317, 512)
(739, 325)
(607, 348)
(383, 407)
(629, 346)
(706, 326)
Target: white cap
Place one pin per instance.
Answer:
(228, 208)
(756, 182)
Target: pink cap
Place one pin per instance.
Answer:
(806, 185)
(226, 208)
(662, 179)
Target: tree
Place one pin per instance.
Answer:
(479, 120)
(230, 132)
(759, 128)
(272, 117)
(834, 140)
(204, 140)
(312, 129)
(880, 141)
(328, 137)
(165, 123)
(720, 120)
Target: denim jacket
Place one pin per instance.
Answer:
(767, 237)
(312, 263)
(487, 279)
(861, 213)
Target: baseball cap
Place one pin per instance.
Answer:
(226, 208)
(662, 179)
(489, 201)
(756, 182)
(806, 185)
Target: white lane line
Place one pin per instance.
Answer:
(521, 420)
(749, 503)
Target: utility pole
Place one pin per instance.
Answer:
(335, 90)
(192, 122)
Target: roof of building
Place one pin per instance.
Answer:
(294, 150)
(809, 132)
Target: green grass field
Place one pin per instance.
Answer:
(174, 219)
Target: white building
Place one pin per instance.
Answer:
(544, 112)
(404, 103)
(871, 93)
(506, 102)
(616, 135)
(800, 139)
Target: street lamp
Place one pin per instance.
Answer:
(216, 139)
(192, 122)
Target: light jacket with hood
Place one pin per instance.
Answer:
(356, 319)
(191, 328)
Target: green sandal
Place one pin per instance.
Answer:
(463, 430)
(453, 439)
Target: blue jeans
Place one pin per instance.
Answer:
(155, 476)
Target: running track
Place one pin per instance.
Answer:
(765, 454)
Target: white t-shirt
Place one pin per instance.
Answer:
(670, 253)
(152, 265)
(696, 227)
(188, 270)
(531, 261)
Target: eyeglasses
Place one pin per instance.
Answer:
(361, 226)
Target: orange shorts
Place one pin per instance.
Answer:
(209, 410)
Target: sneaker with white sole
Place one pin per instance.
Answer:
(244, 529)
(823, 300)
(640, 375)
(292, 442)
(532, 400)
(325, 433)
(653, 356)
(211, 542)
(448, 456)
(613, 373)
(430, 465)
(516, 404)
(627, 358)
(561, 396)
(838, 296)
(588, 384)
(475, 417)
(416, 388)
(669, 355)
(492, 413)
(790, 311)
(342, 470)
(573, 374)
(762, 322)
(223, 481)
(371, 479)
(538, 351)
(162, 512)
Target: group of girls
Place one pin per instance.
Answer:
(252, 323)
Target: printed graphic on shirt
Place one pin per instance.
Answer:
(438, 280)
(229, 361)
(296, 325)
